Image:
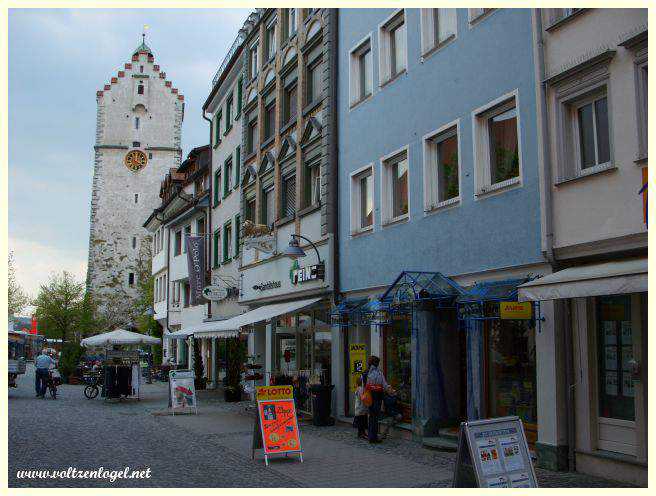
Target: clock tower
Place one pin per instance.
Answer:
(138, 130)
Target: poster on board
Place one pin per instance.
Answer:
(493, 453)
(357, 363)
(182, 390)
(276, 419)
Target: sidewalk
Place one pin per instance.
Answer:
(334, 457)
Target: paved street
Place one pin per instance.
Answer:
(211, 449)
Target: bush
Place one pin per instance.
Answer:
(70, 358)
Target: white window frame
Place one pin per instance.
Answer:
(356, 219)
(290, 26)
(253, 62)
(573, 109)
(386, 188)
(354, 72)
(384, 48)
(428, 30)
(482, 172)
(270, 55)
(431, 190)
(478, 14)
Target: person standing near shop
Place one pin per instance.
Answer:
(42, 363)
(375, 383)
(360, 419)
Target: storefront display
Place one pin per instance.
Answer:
(397, 362)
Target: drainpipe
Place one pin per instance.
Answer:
(546, 181)
(208, 256)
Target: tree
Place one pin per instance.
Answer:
(61, 307)
(17, 299)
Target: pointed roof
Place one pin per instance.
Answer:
(143, 48)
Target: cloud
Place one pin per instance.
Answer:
(35, 261)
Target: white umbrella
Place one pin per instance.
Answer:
(118, 336)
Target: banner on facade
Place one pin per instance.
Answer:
(276, 419)
(514, 310)
(357, 363)
(493, 453)
(196, 265)
(182, 390)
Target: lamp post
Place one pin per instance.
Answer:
(294, 250)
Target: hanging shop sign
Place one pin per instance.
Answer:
(266, 243)
(196, 266)
(357, 361)
(493, 453)
(514, 310)
(182, 389)
(215, 293)
(263, 286)
(276, 427)
(298, 275)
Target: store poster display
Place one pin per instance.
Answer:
(276, 419)
(357, 360)
(493, 453)
(182, 390)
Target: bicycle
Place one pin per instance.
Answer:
(93, 381)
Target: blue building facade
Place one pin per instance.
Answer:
(439, 187)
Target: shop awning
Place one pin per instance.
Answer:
(230, 327)
(505, 290)
(626, 276)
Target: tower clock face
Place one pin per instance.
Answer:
(135, 160)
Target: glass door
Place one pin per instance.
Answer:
(397, 363)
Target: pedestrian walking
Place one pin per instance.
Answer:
(376, 384)
(360, 419)
(42, 363)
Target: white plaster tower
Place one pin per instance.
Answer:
(138, 132)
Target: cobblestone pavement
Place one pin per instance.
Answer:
(211, 449)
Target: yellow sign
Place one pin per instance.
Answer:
(275, 393)
(515, 310)
(357, 363)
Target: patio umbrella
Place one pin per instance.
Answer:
(118, 336)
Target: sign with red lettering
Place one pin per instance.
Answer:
(277, 418)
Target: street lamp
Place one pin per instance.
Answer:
(294, 251)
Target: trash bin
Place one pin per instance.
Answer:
(322, 396)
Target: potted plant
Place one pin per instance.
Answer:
(200, 381)
(235, 359)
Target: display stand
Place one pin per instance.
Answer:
(182, 392)
(493, 453)
(121, 360)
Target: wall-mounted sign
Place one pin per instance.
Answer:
(215, 293)
(267, 285)
(514, 310)
(298, 275)
(266, 243)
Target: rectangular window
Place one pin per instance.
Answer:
(240, 85)
(187, 233)
(270, 41)
(268, 207)
(392, 37)
(185, 294)
(134, 242)
(136, 198)
(479, 13)
(395, 178)
(312, 183)
(131, 279)
(269, 120)
(217, 129)
(215, 248)
(237, 228)
(227, 242)
(361, 72)
(362, 200)
(288, 208)
(227, 177)
(313, 82)
(228, 125)
(252, 60)
(441, 180)
(593, 136)
(437, 27)
(177, 248)
(252, 136)
(289, 103)
(497, 146)
(136, 122)
(217, 187)
(249, 210)
(200, 227)
(289, 28)
(237, 166)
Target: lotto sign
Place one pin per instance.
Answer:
(277, 419)
(515, 310)
(357, 358)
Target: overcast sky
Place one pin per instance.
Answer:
(58, 59)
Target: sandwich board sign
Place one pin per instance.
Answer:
(182, 390)
(493, 453)
(276, 428)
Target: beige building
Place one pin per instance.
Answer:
(592, 65)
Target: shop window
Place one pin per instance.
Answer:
(361, 72)
(438, 27)
(397, 359)
(395, 187)
(288, 209)
(393, 56)
(441, 168)
(362, 200)
(497, 156)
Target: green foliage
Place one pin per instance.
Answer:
(506, 164)
(70, 357)
(236, 355)
(16, 298)
(199, 370)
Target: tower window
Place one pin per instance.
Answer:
(141, 68)
(134, 242)
(150, 155)
(136, 144)
(140, 89)
(136, 122)
(131, 279)
(136, 198)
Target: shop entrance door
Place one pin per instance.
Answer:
(397, 339)
(619, 329)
